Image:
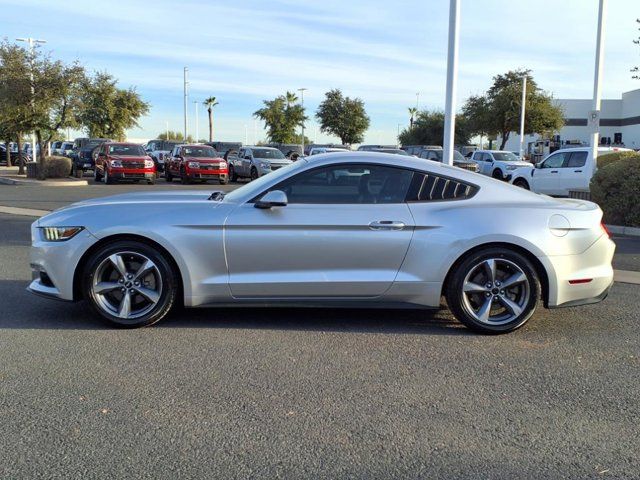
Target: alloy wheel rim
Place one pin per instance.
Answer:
(127, 285)
(495, 291)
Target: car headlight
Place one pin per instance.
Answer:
(116, 164)
(222, 165)
(511, 167)
(193, 164)
(265, 165)
(59, 234)
(148, 164)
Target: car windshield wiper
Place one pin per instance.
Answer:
(216, 196)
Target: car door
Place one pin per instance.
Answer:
(546, 177)
(247, 160)
(343, 234)
(573, 174)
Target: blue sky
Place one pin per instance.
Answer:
(381, 51)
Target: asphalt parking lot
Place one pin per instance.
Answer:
(294, 393)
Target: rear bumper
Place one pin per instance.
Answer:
(594, 265)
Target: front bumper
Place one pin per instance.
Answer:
(53, 264)
(132, 174)
(594, 265)
(207, 174)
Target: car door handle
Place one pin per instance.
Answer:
(554, 171)
(386, 225)
(577, 171)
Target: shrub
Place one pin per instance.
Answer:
(607, 158)
(615, 188)
(57, 167)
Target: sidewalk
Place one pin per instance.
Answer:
(9, 176)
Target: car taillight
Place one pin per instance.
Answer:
(605, 229)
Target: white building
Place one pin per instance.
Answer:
(619, 122)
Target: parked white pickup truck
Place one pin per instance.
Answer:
(561, 171)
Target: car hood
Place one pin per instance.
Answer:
(129, 158)
(147, 197)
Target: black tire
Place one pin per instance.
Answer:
(254, 174)
(522, 183)
(167, 176)
(168, 284)
(461, 304)
(184, 178)
(233, 176)
(497, 174)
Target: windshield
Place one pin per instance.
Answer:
(256, 186)
(505, 157)
(127, 150)
(199, 152)
(267, 153)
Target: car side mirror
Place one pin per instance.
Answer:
(538, 165)
(274, 198)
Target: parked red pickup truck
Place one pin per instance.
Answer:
(195, 162)
(123, 161)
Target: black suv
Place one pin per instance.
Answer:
(82, 159)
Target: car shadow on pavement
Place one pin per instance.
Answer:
(20, 309)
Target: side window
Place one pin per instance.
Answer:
(348, 184)
(577, 159)
(554, 161)
(430, 187)
(433, 156)
(480, 157)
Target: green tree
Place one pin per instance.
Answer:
(171, 135)
(412, 115)
(343, 117)
(497, 112)
(210, 103)
(281, 117)
(108, 111)
(15, 96)
(428, 129)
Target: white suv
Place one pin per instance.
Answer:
(498, 163)
(562, 171)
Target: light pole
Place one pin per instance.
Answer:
(597, 77)
(417, 99)
(197, 125)
(522, 110)
(186, 100)
(301, 90)
(32, 42)
(452, 80)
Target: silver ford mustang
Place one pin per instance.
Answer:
(343, 229)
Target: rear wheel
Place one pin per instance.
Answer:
(494, 290)
(522, 183)
(130, 284)
(497, 174)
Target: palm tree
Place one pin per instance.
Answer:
(291, 98)
(412, 111)
(210, 103)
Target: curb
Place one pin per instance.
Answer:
(26, 212)
(619, 230)
(63, 183)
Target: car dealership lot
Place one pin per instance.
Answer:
(306, 393)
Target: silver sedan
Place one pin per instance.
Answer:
(349, 229)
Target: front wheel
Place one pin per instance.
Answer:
(129, 284)
(497, 174)
(254, 173)
(522, 184)
(494, 290)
